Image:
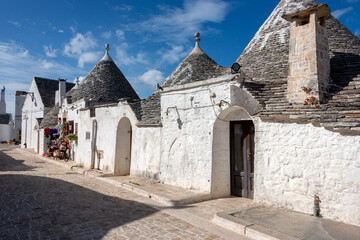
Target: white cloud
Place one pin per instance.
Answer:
(73, 29)
(88, 57)
(120, 34)
(14, 23)
(123, 56)
(17, 63)
(122, 7)
(357, 32)
(106, 35)
(81, 78)
(152, 77)
(172, 55)
(61, 31)
(339, 13)
(49, 51)
(352, 1)
(18, 66)
(80, 47)
(47, 65)
(79, 44)
(178, 24)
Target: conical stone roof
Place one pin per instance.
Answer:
(197, 66)
(104, 84)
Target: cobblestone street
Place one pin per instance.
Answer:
(40, 200)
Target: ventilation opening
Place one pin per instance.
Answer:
(303, 21)
(322, 21)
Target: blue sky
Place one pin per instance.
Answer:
(148, 39)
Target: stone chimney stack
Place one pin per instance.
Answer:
(62, 90)
(309, 60)
(2, 102)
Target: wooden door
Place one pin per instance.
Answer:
(242, 158)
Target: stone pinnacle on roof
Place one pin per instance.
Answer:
(197, 66)
(197, 46)
(107, 56)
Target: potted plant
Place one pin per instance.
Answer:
(71, 137)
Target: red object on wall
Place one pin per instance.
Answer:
(47, 131)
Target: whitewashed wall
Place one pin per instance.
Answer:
(187, 134)
(83, 153)
(6, 132)
(72, 112)
(294, 161)
(30, 111)
(19, 102)
(145, 152)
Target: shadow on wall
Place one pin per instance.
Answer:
(42, 207)
(344, 68)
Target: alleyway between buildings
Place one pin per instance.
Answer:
(39, 200)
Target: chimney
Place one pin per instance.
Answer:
(2, 102)
(62, 90)
(309, 60)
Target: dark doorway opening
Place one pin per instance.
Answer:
(242, 147)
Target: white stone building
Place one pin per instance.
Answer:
(279, 127)
(6, 123)
(19, 103)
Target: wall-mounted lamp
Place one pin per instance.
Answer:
(222, 102)
(235, 68)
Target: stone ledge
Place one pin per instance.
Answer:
(248, 229)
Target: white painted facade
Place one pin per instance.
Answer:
(294, 161)
(6, 132)
(145, 142)
(19, 103)
(32, 109)
(71, 112)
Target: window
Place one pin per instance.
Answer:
(87, 135)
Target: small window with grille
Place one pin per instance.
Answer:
(87, 135)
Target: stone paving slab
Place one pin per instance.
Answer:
(263, 222)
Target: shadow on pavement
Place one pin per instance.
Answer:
(42, 207)
(8, 163)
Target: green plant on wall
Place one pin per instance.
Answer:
(71, 137)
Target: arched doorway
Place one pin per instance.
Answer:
(123, 148)
(233, 154)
